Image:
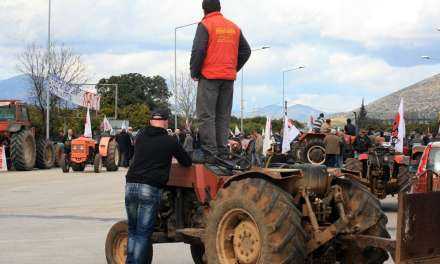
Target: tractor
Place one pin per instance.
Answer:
(309, 148)
(23, 150)
(86, 151)
(382, 170)
(295, 214)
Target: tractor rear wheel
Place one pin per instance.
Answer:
(45, 154)
(116, 244)
(78, 166)
(23, 150)
(370, 220)
(112, 160)
(254, 221)
(315, 151)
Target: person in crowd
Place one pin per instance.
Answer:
(349, 128)
(317, 124)
(68, 140)
(219, 51)
(188, 144)
(362, 145)
(178, 134)
(327, 126)
(332, 144)
(258, 147)
(145, 180)
(60, 136)
(124, 142)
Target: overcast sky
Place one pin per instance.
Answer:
(351, 48)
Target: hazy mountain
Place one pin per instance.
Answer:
(16, 87)
(298, 112)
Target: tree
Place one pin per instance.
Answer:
(36, 63)
(134, 88)
(186, 95)
(362, 118)
(138, 114)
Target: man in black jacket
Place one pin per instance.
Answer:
(219, 51)
(148, 174)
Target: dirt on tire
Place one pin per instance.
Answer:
(280, 234)
(23, 150)
(352, 164)
(45, 154)
(113, 157)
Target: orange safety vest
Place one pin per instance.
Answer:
(222, 53)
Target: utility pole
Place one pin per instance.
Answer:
(49, 53)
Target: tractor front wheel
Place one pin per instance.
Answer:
(254, 221)
(78, 166)
(97, 163)
(112, 160)
(197, 252)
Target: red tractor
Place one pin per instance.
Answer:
(382, 171)
(23, 151)
(298, 214)
(84, 151)
(427, 176)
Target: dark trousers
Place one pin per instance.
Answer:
(141, 202)
(214, 105)
(331, 160)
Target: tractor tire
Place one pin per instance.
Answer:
(353, 165)
(315, 152)
(369, 219)
(59, 151)
(64, 164)
(23, 150)
(197, 252)
(254, 221)
(97, 163)
(45, 154)
(78, 167)
(113, 157)
(116, 244)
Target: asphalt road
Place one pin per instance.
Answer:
(51, 217)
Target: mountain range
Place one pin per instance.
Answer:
(16, 87)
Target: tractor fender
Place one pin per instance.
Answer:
(103, 146)
(401, 160)
(14, 127)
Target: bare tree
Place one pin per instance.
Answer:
(185, 93)
(36, 63)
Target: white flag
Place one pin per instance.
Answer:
(237, 131)
(88, 125)
(105, 125)
(401, 128)
(3, 164)
(267, 136)
(290, 132)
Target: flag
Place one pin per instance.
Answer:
(237, 131)
(3, 162)
(399, 129)
(105, 125)
(267, 136)
(290, 132)
(88, 125)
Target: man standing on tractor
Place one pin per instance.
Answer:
(219, 51)
(318, 123)
(350, 129)
(148, 174)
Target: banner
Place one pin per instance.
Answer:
(88, 126)
(73, 93)
(399, 129)
(105, 125)
(3, 162)
(267, 142)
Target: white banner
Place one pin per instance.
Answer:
(3, 162)
(73, 93)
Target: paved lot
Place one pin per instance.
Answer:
(51, 217)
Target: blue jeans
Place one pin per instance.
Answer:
(141, 202)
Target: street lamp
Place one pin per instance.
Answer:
(175, 68)
(284, 73)
(48, 72)
(242, 91)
